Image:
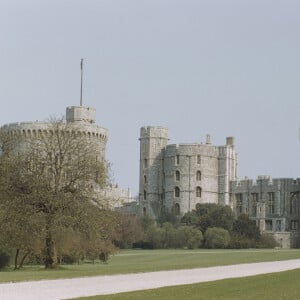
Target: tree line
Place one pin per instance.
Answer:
(207, 226)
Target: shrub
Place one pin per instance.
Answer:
(4, 260)
(247, 228)
(240, 242)
(189, 237)
(154, 236)
(216, 238)
(267, 241)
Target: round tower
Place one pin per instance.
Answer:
(78, 119)
(153, 141)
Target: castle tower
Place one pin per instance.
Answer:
(83, 119)
(227, 169)
(153, 141)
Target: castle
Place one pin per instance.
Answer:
(82, 121)
(177, 177)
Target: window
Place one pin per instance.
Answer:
(294, 225)
(198, 175)
(198, 191)
(145, 179)
(269, 225)
(294, 204)
(177, 209)
(239, 202)
(177, 159)
(254, 200)
(198, 159)
(177, 175)
(278, 225)
(177, 192)
(145, 163)
(145, 195)
(271, 207)
(144, 211)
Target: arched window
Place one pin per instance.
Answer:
(294, 204)
(177, 209)
(198, 191)
(144, 211)
(177, 175)
(145, 179)
(198, 175)
(177, 192)
(145, 195)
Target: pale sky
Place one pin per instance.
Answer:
(227, 68)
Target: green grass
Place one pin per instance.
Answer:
(284, 286)
(134, 261)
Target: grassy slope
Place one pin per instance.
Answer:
(134, 261)
(284, 286)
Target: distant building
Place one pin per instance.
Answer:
(274, 204)
(177, 177)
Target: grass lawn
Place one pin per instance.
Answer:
(134, 261)
(284, 286)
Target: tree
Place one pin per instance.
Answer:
(210, 215)
(129, 230)
(189, 237)
(216, 238)
(53, 177)
(246, 227)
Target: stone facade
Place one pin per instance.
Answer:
(117, 196)
(79, 118)
(177, 177)
(273, 203)
(82, 120)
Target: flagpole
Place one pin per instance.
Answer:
(81, 67)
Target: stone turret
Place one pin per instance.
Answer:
(80, 114)
(153, 141)
(227, 170)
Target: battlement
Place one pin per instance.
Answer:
(154, 132)
(264, 180)
(80, 114)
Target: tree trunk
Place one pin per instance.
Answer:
(50, 253)
(23, 259)
(16, 259)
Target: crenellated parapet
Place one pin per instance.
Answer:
(80, 121)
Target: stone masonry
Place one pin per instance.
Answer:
(273, 203)
(177, 177)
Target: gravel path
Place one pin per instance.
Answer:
(100, 285)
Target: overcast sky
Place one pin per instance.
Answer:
(227, 68)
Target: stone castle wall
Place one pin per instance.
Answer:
(186, 160)
(274, 204)
(78, 119)
(177, 177)
(153, 141)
